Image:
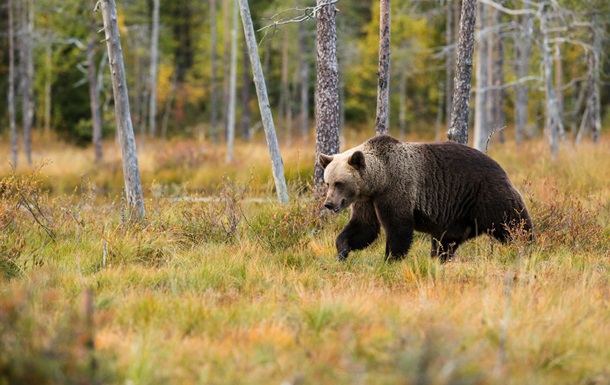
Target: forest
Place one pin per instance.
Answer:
(161, 202)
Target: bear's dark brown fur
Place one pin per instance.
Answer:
(448, 190)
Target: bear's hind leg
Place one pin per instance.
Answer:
(362, 230)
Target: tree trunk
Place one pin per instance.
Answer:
(463, 75)
(232, 87)
(558, 89)
(304, 62)
(327, 87)
(47, 90)
(449, 62)
(27, 80)
(497, 115)
(480, 109)
(214, 75)
(154, 62)
(131, 172)
(94, 94)
(523, 52)
(284, 89)
(226, 76)
(263, 102)
(245, 95)
(553, 121)
(11, 84)
(382, 120)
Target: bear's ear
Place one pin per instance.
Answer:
(357, 160)
(324, 160)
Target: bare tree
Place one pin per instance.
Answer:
(27, 73)
(131, 171)
(263, 103)
(304, 87)
(232, 87)
(327, 86)
(523, 52)
(284, 89)
(463, 74)
(154, 62)
(591, 119)
(482, 84)
(496, 78)
(383, 86)
(554, 125)
(94, 93)
(11, 84)
(245, 95)
(214, 74)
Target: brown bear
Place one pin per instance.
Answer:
(448, 190)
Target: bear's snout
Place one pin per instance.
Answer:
(333, 207)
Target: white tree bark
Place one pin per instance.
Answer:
(232, 87)
(11, 84)
(480, 102)
(94, 93)
(554, 124)
(523, 51)
(214, 74)
(27, 79)
(154, 65)
(131, 171)
(263, 103)
(382, 121)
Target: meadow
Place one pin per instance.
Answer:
(219, 284)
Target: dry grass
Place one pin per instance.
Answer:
(236, 292)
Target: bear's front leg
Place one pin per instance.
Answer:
(399, 226)
(362, 230)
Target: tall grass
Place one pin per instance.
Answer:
(219, 288)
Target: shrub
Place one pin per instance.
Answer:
(215, 219)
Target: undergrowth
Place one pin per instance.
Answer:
(220, 287)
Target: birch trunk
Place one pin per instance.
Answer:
(232, 87)
(27, 80)
(463, 74)
(245, 95)
(154, 71)
(327, 87)
(263, 102)
(497, 115)
(480, 109)
(11, 84)
(553, 122)
(383, 87)
(523, 52)
(94, 94)
(47, 90)
(131, 172)
(304, 62)
(214, 75)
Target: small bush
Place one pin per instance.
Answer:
(215, 219)
(565, 220)
(285, 227)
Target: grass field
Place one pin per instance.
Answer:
(226, 290)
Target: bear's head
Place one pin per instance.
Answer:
(343, 176)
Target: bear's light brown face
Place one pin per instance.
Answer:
(342, 176)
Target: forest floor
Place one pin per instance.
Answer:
(220, 288)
